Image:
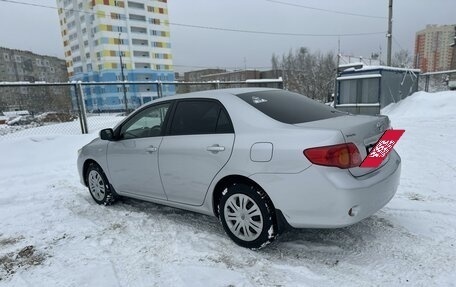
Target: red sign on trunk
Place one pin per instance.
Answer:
(382, 148)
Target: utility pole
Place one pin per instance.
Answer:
(337, 72)
(390, 32)
(123, 78)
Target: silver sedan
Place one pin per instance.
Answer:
(259, 159)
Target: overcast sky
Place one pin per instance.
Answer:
(37, 29)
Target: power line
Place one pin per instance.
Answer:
(398, 44)
(223, 67)
(325, 10)
(275, 33)
(210, 27)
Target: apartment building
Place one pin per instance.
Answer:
(99, 35)
(25, 66)
(432, 48)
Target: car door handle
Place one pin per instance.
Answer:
(215, 148)
(151, 149)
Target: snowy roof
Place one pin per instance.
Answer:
(387, 68)
(342, 78)
(264, 80)
(351, 64)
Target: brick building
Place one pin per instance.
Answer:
(432, 48)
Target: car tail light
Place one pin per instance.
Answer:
(341, 155)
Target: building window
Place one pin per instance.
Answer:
(17, 59)
(6, 57)
(135, 17)
(135, 5)
(119, 4)
(120, 89)
(155, 21)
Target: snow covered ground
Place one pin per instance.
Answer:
(53, 234)
(95, 122)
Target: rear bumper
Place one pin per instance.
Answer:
(321, 197)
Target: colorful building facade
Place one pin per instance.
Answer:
(100, 34)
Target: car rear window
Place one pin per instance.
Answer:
(288, 107)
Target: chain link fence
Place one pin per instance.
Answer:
(438, 81)
(77, 108)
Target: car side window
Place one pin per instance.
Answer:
(199, 117)
(147, 123)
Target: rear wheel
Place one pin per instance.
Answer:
(247, 216)
(98, 185)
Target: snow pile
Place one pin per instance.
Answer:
(424, 105)
(53, 234)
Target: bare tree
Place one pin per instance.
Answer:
(402, 59)
(310, 74)
(275, 65)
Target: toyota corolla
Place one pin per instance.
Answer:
(259, 159)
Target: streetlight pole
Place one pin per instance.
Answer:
(123, 78)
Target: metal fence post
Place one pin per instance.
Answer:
(159, 90)
(426, 83)
(83, 108)
(79, 107)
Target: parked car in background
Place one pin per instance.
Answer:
(56, 117)
(259, 159)
(452, 85)
(3, 118)
(22, 117)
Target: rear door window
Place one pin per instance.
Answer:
(200, 117)
(288, 107)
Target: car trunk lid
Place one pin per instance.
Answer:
(363, 131)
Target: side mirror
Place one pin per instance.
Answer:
(107, 134)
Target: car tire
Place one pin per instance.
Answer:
(99, 186)
(247, 215)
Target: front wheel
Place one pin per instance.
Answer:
(247, 216)
(98, 185)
